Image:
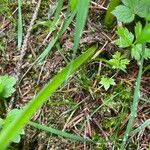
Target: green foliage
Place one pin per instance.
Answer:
(107, 82)
(126, 14)
(7, 134)
(136, 51)
(73, 4)
(7, 86)
(123, 14)
(127, 11)
(118, 61)
(5, 8)
(126, 40)
(125, 37)
(109, 17)
(5, 122)
(144, 36)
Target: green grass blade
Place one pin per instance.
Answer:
(57, 132)
(58, 11)
(141, 127)
(8, 133)
(65, 25)
(82, 11)
(19, 24)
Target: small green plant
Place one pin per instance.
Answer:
(126, 39)
(137, 43)
(107, 82)
(7, 86)
(119, 61)
(10, 117)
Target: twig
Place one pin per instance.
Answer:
(23, 50)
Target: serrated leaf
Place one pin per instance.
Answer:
(136, 51)
(123, 14)
(17, 139)
(142, 8)
(107, 82)
(125, 37)
(147, 53)
(6, 84)
(118, 61)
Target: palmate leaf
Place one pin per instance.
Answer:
(125, 37)
(118, 61)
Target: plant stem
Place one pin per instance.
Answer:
(109, 18)
(136, 99)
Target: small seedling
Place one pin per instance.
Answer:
(107, 82)
(118, 61)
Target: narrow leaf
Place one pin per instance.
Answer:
(21, 120)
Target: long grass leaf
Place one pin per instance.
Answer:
(57, 132)
(82, 11)
(8, 133)
(141, 127)
(20, 28)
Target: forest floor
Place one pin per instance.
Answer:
(82, 106)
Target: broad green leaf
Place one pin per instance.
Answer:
(142, 8)
(118, 61)
(123, 14)
(107, 82)
(8, 133)
(125, 37)
(6, 86)
(145, 34)
(136, 51)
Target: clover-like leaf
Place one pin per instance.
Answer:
(107, 82)
(125, 37)
(7, 86)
